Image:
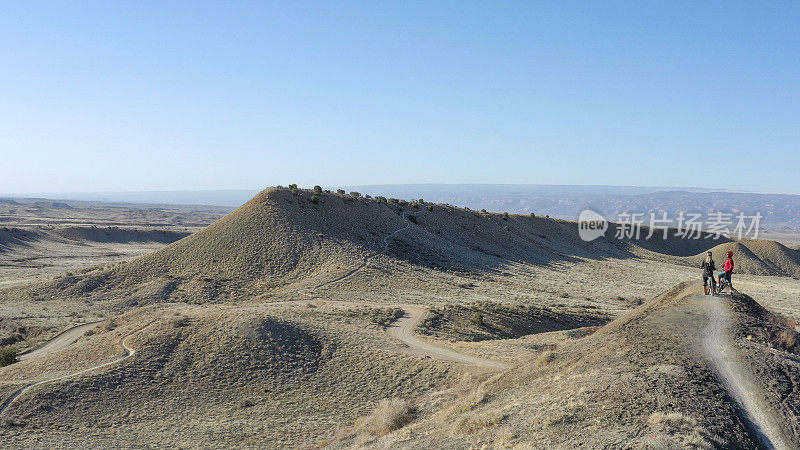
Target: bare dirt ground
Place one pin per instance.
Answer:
(348, 324)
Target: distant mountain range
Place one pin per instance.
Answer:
(779, 211)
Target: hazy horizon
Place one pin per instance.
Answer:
(81, 195)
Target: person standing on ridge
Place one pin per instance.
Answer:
(709, 267)
(727, 268)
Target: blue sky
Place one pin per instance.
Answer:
(121, 96)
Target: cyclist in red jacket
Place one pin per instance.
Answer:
(727, 266)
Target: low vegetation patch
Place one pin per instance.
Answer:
(477, 319)
(180, 322)
(8, 356)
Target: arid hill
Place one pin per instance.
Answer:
(280, 238)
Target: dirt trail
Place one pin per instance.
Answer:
(402, 329)
(60, 341)
(123, 342)
(722, 356)
(367, 260)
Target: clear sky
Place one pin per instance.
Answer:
(121, 96)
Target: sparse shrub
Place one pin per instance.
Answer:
(381, 199)
(383, 317)
(340, 191)
(533, 215)
(317, 190)
(314, 199)
(507, 228)
(392, 200)
(483, 211)
(8, 356)
(430, 207)
(366, 196)
(545, 358)
(564, 295)
(412, 218)
(293, 189)
(421, 201)
(89, 332)
(247, 403)
(505, 216)
(110, 324)
(180, 322)
(477, 319)
(357, 194)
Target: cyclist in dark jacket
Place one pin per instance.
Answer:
(709, 267)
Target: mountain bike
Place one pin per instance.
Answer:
(723, 283)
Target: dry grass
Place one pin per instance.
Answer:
(390, 414)
(466, 403)
(474, 422)
(675, 430)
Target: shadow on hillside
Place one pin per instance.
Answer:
(492, 243)
(116, 235)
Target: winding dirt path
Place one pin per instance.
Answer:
(722, 356)
(60, 341)
(403, 330)
(123, 342)
(367, 260)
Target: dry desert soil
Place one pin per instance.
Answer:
(333, 320)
